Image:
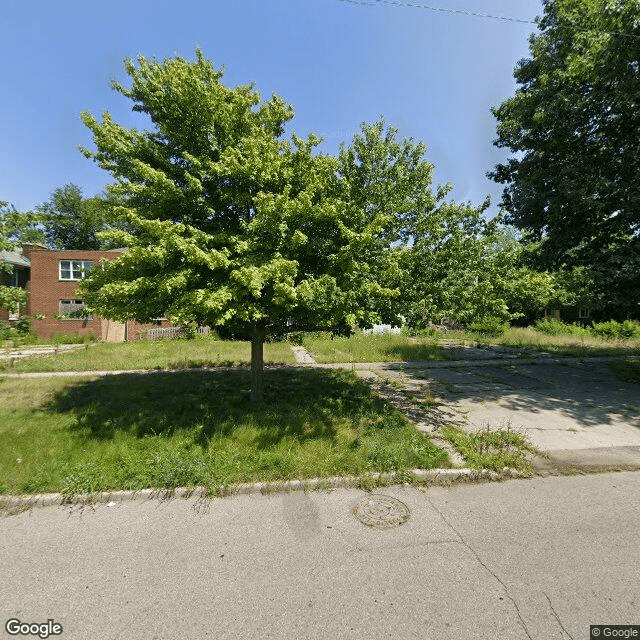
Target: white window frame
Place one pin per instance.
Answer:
(74, 267)
(584, 314)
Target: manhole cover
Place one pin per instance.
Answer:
(381, 512)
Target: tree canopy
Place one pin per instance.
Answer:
(72, 221)
(15, 227)
(236, 225)
(574, 125)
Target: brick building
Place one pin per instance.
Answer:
(51, 278)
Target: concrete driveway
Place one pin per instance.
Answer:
(578, 411)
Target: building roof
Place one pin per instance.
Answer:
(15, 258)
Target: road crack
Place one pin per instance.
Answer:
(485, 566)
(556, 615)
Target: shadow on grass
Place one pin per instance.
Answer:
(299, 404)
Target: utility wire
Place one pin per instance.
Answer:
(442, 10)
(477, 15)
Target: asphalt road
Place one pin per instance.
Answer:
(538, 559)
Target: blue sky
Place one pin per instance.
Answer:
(433, 75)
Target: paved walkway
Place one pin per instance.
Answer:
(574, 409)
(19, 353)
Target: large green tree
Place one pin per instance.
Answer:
(574, 126)
(235, 225)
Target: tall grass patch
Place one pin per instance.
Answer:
(362, 347)
(190, 428)
(492, 448)
(576, 344)
(154, 354)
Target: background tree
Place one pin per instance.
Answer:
(450, 270)
(235, 225)
(16, 227)
(72, 221)
(574, 123)
(465, 267)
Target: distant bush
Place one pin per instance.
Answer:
(616, 330)
(555, 327)
(491, 327)
(190, 332)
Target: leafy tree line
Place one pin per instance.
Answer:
(574, 124)
(68, 220)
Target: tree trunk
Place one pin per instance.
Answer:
(257, 362)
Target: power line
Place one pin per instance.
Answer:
(441, 9)
(478, 15)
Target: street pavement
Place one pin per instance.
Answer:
(537, 559)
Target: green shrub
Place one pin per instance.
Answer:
(5, 331)
(23, 326)
(555, 327)
(616, 330)
(190, 332)
(492, 327)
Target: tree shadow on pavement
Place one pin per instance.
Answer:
(588, 394)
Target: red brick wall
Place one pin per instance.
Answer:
(46, 290)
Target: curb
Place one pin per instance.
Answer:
(436, 476)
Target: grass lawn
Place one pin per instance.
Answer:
(153, 354)
(402, 348)
(198, 428)
(562, 345)
(373, 348)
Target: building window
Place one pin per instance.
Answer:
(74, 269)
(67, 307)
(583, 314)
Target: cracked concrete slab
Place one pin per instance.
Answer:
(570, 406)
